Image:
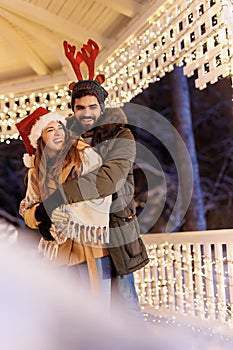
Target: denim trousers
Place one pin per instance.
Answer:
(125, 296)
(79, 272)
(115, 291)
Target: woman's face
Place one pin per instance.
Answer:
(54, 138)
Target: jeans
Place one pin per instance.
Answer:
(80, 273)
(117, 291)
(124, 294)
(104, 272)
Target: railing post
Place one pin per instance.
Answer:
(170, 277)
(190, 273)
(162, 277)
(198, 277)
(188, 278)
(230, 279)
(208, 270)
(178, 278)
(221, 295)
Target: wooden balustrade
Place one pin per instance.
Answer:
(190, 273)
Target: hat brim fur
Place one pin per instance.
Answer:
(41, 124)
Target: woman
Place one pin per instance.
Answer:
(79, 230)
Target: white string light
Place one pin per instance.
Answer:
(185, 278)
(196, 33)
(14, 108)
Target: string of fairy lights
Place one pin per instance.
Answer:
(189, 282)
(197, 34)
(14, 108)
(169, 296)
(193, 33)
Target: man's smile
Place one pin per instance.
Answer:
(87, 119)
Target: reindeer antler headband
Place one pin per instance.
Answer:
(87, 54)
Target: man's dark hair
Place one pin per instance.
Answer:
(89, 87)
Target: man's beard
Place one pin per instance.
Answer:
(89, 125)
(84, 128)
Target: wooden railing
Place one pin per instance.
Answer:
(190, 273)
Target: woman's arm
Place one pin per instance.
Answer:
(31, 201)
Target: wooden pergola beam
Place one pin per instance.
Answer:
(51, 21)
(126, 7)
(22, 48)
(37, 31)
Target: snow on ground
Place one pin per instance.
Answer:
(41, 309)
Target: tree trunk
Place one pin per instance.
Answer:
(195, 216)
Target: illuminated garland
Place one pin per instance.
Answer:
(13, 108)
(180, 278)
(193, 33)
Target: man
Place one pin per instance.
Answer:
(99, 127)
(105, 131)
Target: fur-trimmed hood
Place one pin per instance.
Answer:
(115, 115)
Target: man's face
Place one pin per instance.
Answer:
(87, 110)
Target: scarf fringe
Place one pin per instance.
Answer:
(83, 234)
(88, 233)
(49, 249)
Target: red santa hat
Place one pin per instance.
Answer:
(31, 127)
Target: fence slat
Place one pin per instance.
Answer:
(188, 279)
(208, 266)
(230, 278)
(220, 283)
(190, 273)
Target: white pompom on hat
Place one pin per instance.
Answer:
(31, 127)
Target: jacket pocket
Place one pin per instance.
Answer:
(134, 248)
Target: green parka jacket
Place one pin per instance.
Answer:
(116, 145)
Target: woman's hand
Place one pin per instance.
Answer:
(58, 229)
(60, 237)
(58, 216)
